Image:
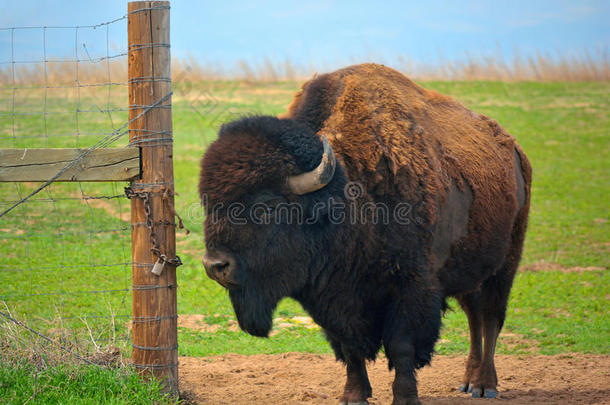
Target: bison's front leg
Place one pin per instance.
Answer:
(410, 331)
(357, 387)
(401, 355)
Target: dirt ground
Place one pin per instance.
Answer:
(296, 378)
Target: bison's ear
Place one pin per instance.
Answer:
(317, 178)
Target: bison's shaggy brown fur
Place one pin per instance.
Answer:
(463, 176)
(399, 137)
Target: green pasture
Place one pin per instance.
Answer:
(58, 247)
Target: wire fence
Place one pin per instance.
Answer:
(66, 278)
(66, 268)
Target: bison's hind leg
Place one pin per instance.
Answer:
(471, 304)
(486, 311)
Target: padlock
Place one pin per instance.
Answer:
(158, 267)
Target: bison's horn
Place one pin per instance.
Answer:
(317, 178)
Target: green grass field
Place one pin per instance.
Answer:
(77, 385)
(57, 250)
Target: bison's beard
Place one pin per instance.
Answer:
(253, 310)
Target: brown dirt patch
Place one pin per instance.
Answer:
(297, 378)
(198, 323)
(13, 231)
(111, 207)
(517, 340)
(549, 266)
(189, 252)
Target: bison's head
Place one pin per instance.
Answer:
(266, 183)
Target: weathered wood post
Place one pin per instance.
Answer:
(154, 323)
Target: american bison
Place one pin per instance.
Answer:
(370, 202)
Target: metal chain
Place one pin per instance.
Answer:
(155, 249)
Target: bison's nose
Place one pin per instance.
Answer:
(220, 268)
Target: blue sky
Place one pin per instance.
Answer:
(324, 33)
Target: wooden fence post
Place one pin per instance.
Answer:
(154, 317)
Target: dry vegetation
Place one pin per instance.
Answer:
(587, 66)
(543, 67)
(61, 345)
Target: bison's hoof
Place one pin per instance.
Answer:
(463, 387)
(490, 393)
(354, 403)
(484, 393)
(406, 401)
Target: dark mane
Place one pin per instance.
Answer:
(291, 136)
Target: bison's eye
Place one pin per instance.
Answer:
(264, 206)
(268, 207)
(269, 199)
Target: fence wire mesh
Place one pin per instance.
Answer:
(66, 272)
(66, 268)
